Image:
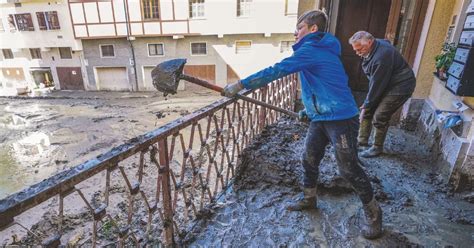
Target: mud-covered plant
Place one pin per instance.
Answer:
(446, 57)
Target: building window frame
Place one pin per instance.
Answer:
(150, 9)
(48, 20)
(149, 45)
(35, 53)
(242, 50)
(291, 11)
(244, 8)
(7, 53)
(285, 45)
(197, 9)
(65, 52)
(198, 54)
(21, 22)
(102, 51)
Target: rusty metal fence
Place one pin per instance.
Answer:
(147, 190)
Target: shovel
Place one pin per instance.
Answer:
(166, 78)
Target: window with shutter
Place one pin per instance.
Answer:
(243, 46)
(48, 20)
(243, 8)
(107, 51)
(150, 9)
(41, 21)
(35, 53)
(155, 50)
(24, 22)
(196, 8)
(11, 22)
(198, 48)
(7, 53)
(65, 53)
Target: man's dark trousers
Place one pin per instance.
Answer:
(343, 136)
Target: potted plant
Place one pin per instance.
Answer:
(445, 59)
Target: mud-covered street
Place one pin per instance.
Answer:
(419, 208)
(42, 136)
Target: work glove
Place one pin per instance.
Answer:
(232, 89)
(302, 116)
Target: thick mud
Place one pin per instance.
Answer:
(418, 208)
(42, 136)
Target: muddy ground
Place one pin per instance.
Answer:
(42, 136)
(419, 208)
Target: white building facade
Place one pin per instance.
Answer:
(223, 40)
(38, 47)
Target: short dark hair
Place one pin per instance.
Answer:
(314, 17)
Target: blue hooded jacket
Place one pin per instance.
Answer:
(324, 84)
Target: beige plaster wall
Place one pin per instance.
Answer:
(437, 32)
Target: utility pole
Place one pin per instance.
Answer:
(129, 39)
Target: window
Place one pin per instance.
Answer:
(196, 8)
(35, 53)
(156, 50)
(199, 48)
(243, 46)
(48, 20)
(2, 29)
(150, 9)
(7, 53)
(291, 7)
(285, 46)
(21, 22)
(65, 53)
(107, 51)
(243, 7)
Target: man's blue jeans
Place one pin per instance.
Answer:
(343, 136)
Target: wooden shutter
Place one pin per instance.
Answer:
(53, 20)
(41, 21)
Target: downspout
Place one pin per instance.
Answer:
(127, 21)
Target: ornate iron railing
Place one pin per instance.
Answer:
(148, 189)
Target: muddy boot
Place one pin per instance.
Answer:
(372, 227)
(309, 201)
(364, 132)
(377, 148)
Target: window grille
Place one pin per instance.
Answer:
(151, 9)
(107, 50)
(198, 48)
(196, 8)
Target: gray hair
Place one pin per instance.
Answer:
(314, 17)
(362, 37)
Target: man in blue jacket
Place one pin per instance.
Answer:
(331, 108)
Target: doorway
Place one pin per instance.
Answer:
(399, 21)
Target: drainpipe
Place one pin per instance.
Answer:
(125, 5)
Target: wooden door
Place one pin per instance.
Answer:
(353, 16)
(70, 78)
(204, 72)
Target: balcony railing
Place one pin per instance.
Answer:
(147, 190)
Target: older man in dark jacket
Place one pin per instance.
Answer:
(391, 84)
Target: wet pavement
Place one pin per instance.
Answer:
(44, 135)
(419, 208)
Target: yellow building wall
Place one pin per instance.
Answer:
(440, 22)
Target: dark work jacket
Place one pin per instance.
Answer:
(388, 73)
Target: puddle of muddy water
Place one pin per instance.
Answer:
(40, 137)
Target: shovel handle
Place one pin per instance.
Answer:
(245, 98)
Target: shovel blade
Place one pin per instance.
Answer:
(166, 75)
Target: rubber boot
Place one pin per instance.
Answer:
(364, 132)
(376, 149)
(372, 227)
(309, 201)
